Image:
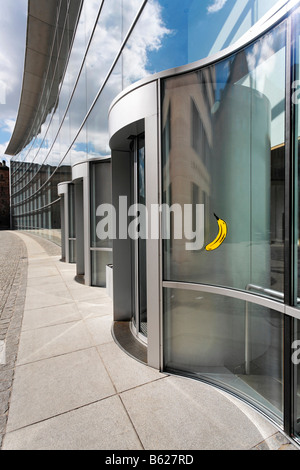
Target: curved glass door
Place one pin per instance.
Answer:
(223, 141)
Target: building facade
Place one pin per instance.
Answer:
(143, 127)
(4, 197)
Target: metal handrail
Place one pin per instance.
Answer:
(270, 292)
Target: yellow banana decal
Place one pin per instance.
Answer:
(220, 237)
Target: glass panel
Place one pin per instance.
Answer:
(78, 152)
(72, 251)
(228, 342)
(71, 211)
(296, 378)
(138, 240)
(100, 174)
(223, 144)
(296, 145)
(100, 259)
(171, 33)
(296, 274)
(78, 108)
(104, 47)
(76, 55)
(97, 122)
(142, 243)
(72, 234)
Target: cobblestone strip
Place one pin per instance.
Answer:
(13, 282)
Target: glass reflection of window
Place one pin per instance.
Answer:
(104, 47)
(97, 123)
(240, 103)
(199, 137)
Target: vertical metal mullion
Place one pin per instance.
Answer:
(289, 238)
(160, 91)
(136, 242)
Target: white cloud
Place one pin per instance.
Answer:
(2, 92)
(9, 125)
(216, 6)
(148, 36)
(13, 22)
(12, 52)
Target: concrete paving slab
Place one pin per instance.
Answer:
(52, 386)
(65, 268)
(38, 297)
(41, 271)
(181, 414)
(100, 329)
(39, 258)
(49, 280)
(126, 372)
(102, 425)
(54, 340)
(92, 309)
(86, 293)
(101, 299)
(68, 275)
(73, 284)
(50, 316)
(56, 289)
(40, 261)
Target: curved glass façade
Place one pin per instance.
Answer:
(228, 120)
(230, 143)
(230, 134)
(107, 45)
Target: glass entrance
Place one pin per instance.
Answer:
(139, 291)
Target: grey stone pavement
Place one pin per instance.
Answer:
(65, 384)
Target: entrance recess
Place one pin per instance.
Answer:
(133, 125)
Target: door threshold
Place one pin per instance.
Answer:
(80, 278)
(123, 336)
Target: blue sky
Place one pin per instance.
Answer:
(195, 26)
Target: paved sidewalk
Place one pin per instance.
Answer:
(74, 388)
